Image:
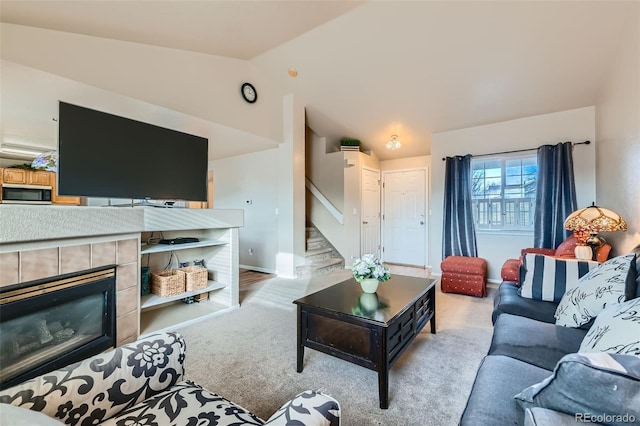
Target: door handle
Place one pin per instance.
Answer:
(364, 222)
(422, 222)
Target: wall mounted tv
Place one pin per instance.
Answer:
(105, 155)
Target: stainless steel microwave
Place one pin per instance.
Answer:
(25, 194)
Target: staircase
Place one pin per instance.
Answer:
(321, 257)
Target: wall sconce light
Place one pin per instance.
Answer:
(394, 143)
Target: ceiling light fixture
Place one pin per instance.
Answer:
(394, 143)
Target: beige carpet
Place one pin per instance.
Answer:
(249, 357)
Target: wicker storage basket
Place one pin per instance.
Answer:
(167, 283)
(194, 278)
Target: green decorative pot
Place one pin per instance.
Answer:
(369, 285)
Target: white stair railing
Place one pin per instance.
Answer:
(324, 201)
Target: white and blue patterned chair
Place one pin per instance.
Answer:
(142, 384)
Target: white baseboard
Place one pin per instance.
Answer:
(258, 269)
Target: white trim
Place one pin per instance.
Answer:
(324, 201)
(258, 269)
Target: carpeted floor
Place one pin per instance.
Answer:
(249, 357)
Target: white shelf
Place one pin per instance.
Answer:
(159, 248)
(151, 300)
(177, 315)
(218, 248)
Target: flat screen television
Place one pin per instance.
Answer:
(105, 155)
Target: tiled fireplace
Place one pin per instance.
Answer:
(58, 257)
(48, 323)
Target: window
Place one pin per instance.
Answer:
(504, 192)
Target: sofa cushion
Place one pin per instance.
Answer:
(606, 386)
(99, 387)
(498, 379)
(603, 285)
(537, 416)
(508, 301)
(309, 408)
(185, 404)
(547, 278)
(534, 342)
(615, 330)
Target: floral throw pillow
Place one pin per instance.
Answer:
(602, 286)
(615, 330)
(309, 408)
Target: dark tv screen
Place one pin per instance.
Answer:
(105, 155)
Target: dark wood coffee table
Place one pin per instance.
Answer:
(371, 330)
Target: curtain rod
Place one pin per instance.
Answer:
(518, 150)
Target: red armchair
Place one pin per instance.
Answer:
(511, 269)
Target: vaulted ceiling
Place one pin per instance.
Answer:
(372, 69)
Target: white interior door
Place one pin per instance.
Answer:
(370, 207)
(404, 217)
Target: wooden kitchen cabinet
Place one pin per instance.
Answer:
(26, 177)
(14, 176)
(39, 178)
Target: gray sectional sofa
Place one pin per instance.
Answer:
(527, 348)
(142, 383)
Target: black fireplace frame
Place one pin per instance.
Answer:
(106, 286)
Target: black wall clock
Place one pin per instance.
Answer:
(249, 92)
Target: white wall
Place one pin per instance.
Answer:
(406, 163)
(29, 105)
(247, 178)
(269, 186)
(204, 86)
(618, 131)
(575, 125)
(291, 189)
(324, 169)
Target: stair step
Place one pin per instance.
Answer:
(316, 243)
(313, 233)
(320, 267)
(320, 256)
(320, 253)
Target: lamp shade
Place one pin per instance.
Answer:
(594, 219)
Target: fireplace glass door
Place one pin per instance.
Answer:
(44, 326)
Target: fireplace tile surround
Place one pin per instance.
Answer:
(29, 265)
(37, 242)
